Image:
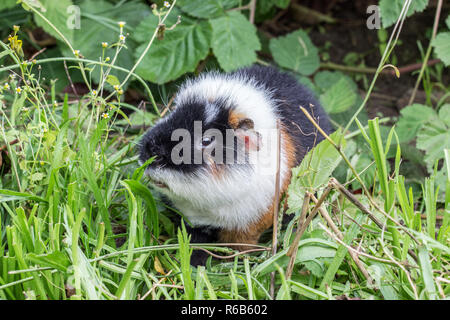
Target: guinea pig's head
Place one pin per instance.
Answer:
(203, 145)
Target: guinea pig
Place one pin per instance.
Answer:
(217, 152)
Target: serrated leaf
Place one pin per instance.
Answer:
(411, 119)
(314, 171)
(326, 79)
(56, 12)
(433, 137)
(339, 98)
(206, 8)
(390, 10)
(444, 114)
(441, 46)
(234, 41)
(112, 80)
(295, 51)
(99, 23)
(178, 53)
(38, 176)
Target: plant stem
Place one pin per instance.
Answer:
(428, 53)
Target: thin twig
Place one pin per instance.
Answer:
(275, 210)
(428, 53)
(70, 79)
(293, 249)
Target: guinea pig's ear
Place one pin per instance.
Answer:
(247, 135)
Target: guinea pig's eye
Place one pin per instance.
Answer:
(206, 141)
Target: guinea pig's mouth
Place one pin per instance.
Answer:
(158, 183)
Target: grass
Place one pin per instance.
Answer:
(78, 220)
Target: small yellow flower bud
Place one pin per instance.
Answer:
(6, 86)
(121, 24)
(104, 44)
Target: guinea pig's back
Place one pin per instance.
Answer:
(288, 95)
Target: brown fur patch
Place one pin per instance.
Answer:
(234, 118)
(254, 231)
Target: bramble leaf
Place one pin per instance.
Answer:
(234, 41)
(177, 53)
(295, 51)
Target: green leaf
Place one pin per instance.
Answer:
(234, 41)
(411, 119)
(314, 171)
(38, 176)
(441, 46)
(99, 23)
(206, 8)
(390, 10)
(7, 4)
(282, 3)
(444, 114)
(9, 195)
(57, 260)
(310, 249)
(326, 79)
(427, 272)
(339, 98)
(433, 137)
(383, 280)
(56, 12)
(112, 80)
(295, 51)
(447, 22)
(179, 52)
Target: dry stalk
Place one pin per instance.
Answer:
(335, 229)
(292, 252)
(275, 209)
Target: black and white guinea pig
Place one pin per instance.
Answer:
(214, 150)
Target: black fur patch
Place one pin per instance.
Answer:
(158, 140)
(289, 95)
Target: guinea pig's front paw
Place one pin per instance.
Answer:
(198, 258)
